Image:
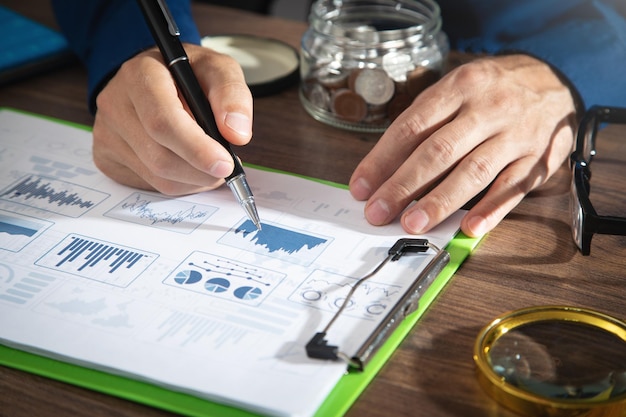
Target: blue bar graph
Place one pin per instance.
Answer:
(98, 260)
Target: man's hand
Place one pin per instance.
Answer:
(145, 136)
(505, 121)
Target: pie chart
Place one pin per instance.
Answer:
(187, 277)
(217, 285)
(248, 293)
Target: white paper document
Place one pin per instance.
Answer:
(184, 292)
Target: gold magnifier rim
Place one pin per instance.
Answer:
(531, 404)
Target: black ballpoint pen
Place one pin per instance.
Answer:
(166, 35)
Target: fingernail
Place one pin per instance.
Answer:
(378, 212)
(416, 221)
(221, 169)
(361, 189)
(240, 123)
(477, 226)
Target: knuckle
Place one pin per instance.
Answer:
(480, 170)
(410, 127)
(104, 101)
(438, 205)
(518, 185)
(158, 165)
(398, 194)
(476, 73)
(156, 123)
(402, 191)
(441, 149)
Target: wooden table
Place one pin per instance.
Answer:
(529, 259)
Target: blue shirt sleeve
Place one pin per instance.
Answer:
(105, 33)
(584, 40)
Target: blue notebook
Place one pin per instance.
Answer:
(28, 47)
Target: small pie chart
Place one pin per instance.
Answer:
(187, 277)
(248, 293)
(217, 285)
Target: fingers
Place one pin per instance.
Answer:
(514, 182)
(229, 95)
(510, 187)
(502, 121)
(144, 125)
(116, 159)
(443, 129)
(402, 138)
(473, 174)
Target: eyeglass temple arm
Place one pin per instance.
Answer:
(611, 225)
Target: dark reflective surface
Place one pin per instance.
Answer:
(564, 360)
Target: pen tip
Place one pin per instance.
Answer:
(253, 214)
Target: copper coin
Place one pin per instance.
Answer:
(348, 105)
(352, 78)
(374, 86)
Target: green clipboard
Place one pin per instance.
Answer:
(337, 403)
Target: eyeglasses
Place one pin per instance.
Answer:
(585, 221)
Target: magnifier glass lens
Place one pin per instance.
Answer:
(560, 359)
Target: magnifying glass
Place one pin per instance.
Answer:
(555, 361)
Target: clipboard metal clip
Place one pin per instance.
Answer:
(318, 347)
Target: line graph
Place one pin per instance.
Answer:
(17, 230)
(289, 245)
(164, 213)
(53, 195)
(97, 260)
(327, 291)
(224, 278)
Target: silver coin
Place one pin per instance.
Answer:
(332, 78)
(319, 97)
(363, 33)
(374, 86)
(397, 65)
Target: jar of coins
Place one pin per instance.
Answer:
(362, 62)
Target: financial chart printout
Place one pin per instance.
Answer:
(185, 292)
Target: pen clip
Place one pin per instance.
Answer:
(171, 24)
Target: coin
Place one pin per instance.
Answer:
(352, 78)
(319, 96)
(348, 105)
(397, 65)
(333, 79)
(367, 96)
(374, 86)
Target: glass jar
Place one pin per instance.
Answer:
(362, 62)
